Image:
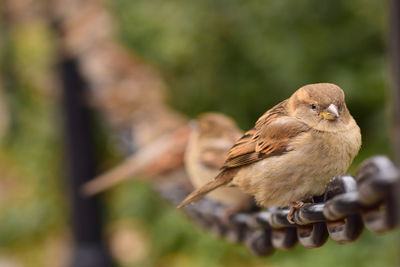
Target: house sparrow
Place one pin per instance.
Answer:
(293, 150)
(160, 157)
(212, 136)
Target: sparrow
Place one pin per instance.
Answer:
(164, 155)
(213, 134)
(293, 151)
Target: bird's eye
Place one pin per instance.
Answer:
(313, 106)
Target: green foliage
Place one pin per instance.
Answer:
(222, 55)
(31, 179)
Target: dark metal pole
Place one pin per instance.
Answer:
(81, 167)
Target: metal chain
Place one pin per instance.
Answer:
(371, 198)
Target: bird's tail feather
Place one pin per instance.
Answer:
(138, 162)
(221, 179)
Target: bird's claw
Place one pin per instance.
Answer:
(290, 218)
(293, 207)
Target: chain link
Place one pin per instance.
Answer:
(371, 198)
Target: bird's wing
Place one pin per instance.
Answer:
(270, 137)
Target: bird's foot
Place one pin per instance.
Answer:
(293, 206)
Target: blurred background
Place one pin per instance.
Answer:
(146, 60)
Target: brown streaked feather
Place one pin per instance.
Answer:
(276, 111)
(241, 160)
(275, 136)
(270, 136)
(242, 151)
(222, 178)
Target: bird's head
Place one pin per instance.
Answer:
(216, 125)
(321, 106)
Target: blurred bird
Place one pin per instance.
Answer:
(292, 152)
(163, 155)
(213, 134)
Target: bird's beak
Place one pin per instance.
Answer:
(331, 113)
